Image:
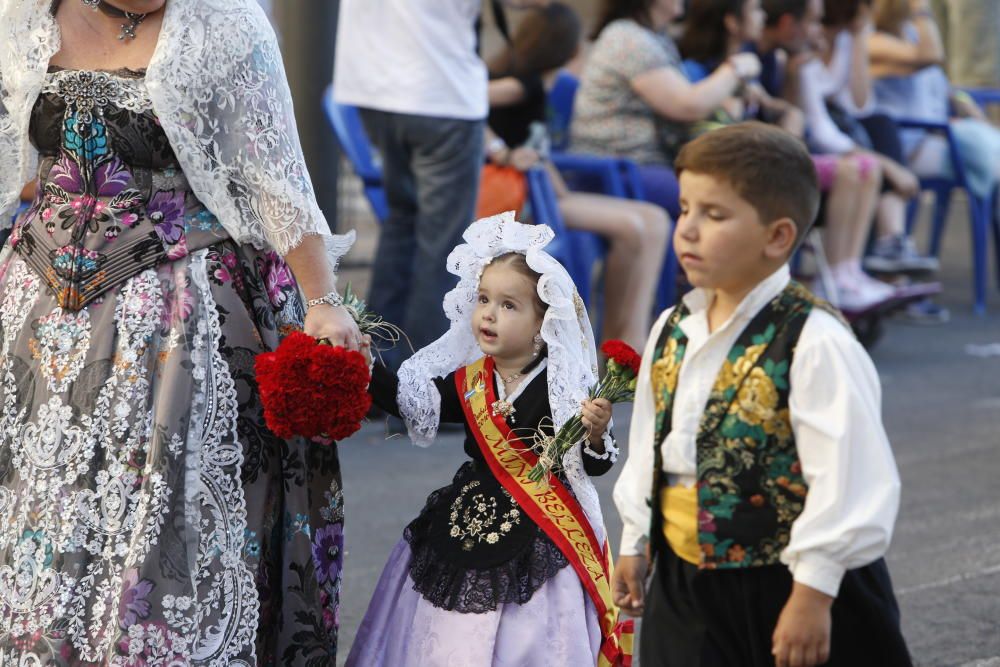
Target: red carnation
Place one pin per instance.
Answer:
(622, 354)
(313, 390)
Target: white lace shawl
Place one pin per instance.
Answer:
(218, 88)
(572, 356)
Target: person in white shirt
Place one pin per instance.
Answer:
(756, 440)
(412, 68)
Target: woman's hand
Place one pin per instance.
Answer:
(335, 325)
(745, 65)
(366, 349)
(523, 158)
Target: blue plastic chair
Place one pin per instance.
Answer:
(350, 132)
(617, 177)
(981, 211)
(984, 97)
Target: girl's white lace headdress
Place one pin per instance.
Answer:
(218, 87)
(566, 330)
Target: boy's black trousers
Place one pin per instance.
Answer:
(725, 618)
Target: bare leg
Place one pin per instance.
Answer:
(850, 210)
(637, 233)
(891, 219)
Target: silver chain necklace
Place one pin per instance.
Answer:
(128, 29)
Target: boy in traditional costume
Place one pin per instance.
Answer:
(498, 570)
(759, 478)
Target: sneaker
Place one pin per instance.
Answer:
(860, 295)
(924, 312)
(898, 254)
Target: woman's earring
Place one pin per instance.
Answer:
(538, 345)
(93, 4)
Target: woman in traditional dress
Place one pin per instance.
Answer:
(147, 516)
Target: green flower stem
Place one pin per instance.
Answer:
(617, 386)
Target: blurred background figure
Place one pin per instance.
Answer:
(521, 76)
(413, 69)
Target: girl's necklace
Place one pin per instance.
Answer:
(128, 29)
(512, 378)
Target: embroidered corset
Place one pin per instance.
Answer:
(750, 486)
(111, 199)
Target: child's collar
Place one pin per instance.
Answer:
(699, 299)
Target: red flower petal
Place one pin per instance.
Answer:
(622, 354)
(312, 390)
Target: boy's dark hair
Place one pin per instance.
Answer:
(775, 9)
(546, 39)
(705, 39)
(765, 165)
(612, 10)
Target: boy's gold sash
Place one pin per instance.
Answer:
(553, 508)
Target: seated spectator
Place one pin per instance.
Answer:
(714, 30)
(906, 57)
(637, 232)
(835, 92)
(634, 99)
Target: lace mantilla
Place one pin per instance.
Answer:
(217, 84)
(572, 356)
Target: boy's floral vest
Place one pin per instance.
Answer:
(750, 487)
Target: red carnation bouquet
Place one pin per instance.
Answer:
(315, 390)
(617, 386)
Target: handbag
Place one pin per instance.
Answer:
(501, 188)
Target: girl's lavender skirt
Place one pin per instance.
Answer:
(558, 627)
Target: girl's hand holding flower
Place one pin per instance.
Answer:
(596, 416)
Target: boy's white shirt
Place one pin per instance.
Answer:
(835, 405)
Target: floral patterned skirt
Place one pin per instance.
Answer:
(147, 516)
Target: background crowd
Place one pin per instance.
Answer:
(648, 76)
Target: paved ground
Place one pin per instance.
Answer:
(942, 411)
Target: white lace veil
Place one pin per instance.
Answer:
(572, 356)
(218, 88)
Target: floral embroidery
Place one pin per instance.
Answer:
(166, 210)
(278, 279)
(87, 141)
(134, 603)
(478, 518)
(326, 551)
(61, 344)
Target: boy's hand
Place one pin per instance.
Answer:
(628, 584)
(802, 636)
(596, 416)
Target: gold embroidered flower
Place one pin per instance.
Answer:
(664, 373)
(733, 372)
(780, 426)
(757, 399)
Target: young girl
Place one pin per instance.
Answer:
(483, 574)
(637, 232)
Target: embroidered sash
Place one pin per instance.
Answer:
(554, 510)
